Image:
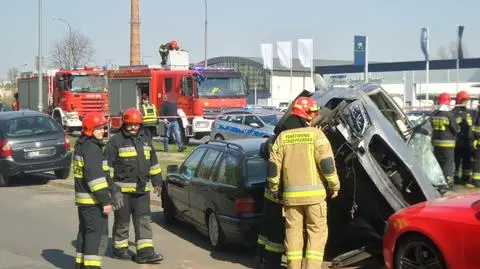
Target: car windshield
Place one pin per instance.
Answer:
(222, 87)
(27, 126)
(271, 119)
(88, 83)
(256, 170)
(420, 144)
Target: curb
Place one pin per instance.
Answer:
(59, 184)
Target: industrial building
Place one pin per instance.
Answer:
(407, 86)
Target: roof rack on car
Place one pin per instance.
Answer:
(226, 144)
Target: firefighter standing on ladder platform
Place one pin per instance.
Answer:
(302, 172)
(134, 164)
(445, 130)
(93, 193)
(463, 148)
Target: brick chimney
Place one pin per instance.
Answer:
(135, 32)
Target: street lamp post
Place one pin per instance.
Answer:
(206, 15)
(40, 69)
(70, 45)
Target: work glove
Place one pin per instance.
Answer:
(117, 197)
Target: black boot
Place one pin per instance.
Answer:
(121, 254)
(148, 257)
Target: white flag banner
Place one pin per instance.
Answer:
(284, 51)
(267, 55)
(305, 52)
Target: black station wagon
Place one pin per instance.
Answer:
(219, 189)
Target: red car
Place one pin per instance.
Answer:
(443, 233)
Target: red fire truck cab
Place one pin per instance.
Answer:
(200, 94)
(67, 95)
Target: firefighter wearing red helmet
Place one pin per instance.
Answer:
(444, 136)
(136, 172)
(463, 148)
(92, 192)
(303, 187)
(166, 48)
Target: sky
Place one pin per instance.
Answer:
(237, 28)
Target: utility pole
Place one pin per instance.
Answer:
(206, 16)
(40, 63)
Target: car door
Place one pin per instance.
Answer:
(227, 180)
(202, 185)
(235, 125)
(180, 184)
(252, 126)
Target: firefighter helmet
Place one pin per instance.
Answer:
(91, 121)
(132, 116)
(303, 106)
(462, 96)
(444, 99)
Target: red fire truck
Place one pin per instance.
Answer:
(67, 94)
(200, 94)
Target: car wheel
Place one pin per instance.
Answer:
(215, 233)
(4, 180)
(62, 173)
(168, 209)
(418, 252)
(219, 137)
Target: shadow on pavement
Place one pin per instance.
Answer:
(233, 253)
(35, 179)
(58, 258)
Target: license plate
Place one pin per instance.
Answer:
(39, 153)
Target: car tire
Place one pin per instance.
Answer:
(168, 209)
(62, 173)
(216, 237)
(219, 138)
(410, 244)
(4, 180)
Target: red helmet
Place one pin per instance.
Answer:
(444, 99)
(462, 96)
(173, 44)
(132, 115)
(304, 105)
(91, 121)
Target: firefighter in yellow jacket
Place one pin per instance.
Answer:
(302, 163)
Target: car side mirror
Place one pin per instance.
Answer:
(172, 169)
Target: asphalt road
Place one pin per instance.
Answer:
(38, 227)
(39, 224)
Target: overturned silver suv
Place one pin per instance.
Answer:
(384, 163)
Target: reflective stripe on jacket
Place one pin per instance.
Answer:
(304, 164)
(445, 129)
(91, 173)
(133, 162)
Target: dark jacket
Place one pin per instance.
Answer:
(91, 172)
(445, 129)
(169, 109)
(133, 162)
(464, 119)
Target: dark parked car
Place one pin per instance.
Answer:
(32, 142)
(380, 173)
(5, 108)
(219, 189)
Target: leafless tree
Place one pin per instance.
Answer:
(12, 75)
(450, 52)
(72, 51)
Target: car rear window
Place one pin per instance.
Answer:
(256, 171)
(33, 125)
